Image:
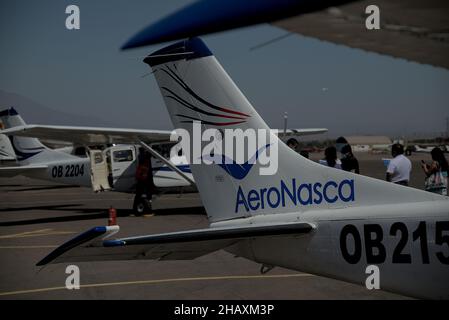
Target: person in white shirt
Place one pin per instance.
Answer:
(399, 168)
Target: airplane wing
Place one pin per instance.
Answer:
(88, 136)
(94, 246)
(411, 29)
(8, 172)
(96, 136)
(415, 30)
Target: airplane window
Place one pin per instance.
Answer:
(123, 156)
(80, 152)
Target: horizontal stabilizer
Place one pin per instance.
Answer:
(183, 245)
(8, 172)
(91, 238)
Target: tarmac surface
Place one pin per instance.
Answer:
(37, 216)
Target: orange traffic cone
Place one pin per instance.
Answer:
(112, 221)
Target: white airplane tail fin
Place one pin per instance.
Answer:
(195, 87)
(6, 150)
(25, 148)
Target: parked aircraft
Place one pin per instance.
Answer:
(110, 168)
(425, 149)
(305, 217)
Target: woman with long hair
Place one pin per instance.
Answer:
(348, 161)
(330, 158)
(436, 172)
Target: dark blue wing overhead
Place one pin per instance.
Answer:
(414, 30)
(209, 16)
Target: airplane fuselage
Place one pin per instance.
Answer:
(409, 243)
(71, 172)
(77, 172)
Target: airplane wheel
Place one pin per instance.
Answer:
(141, 206)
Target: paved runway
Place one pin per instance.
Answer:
(37, 216)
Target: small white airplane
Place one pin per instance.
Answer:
(306, 217)
(425, 149)
(113, 168)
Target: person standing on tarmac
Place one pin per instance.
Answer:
(348, 161)
(292, 144)
(400, 166)
(436, 172)
(330, 158)
(145, 184)
(340, 143)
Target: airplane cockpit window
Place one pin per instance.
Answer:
(123, 156)
(80, 152)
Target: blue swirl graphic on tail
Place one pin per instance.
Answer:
(22, 155)
(235, 170)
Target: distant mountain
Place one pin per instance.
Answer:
(35, 113)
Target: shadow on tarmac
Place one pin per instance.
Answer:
(92, 214)
(39, 188)
(46, 207)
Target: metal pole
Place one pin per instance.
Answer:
(285, 123)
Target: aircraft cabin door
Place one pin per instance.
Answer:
(99, 171)
(124, 166)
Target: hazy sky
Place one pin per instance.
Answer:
(319, 84)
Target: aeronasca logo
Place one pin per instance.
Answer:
(235, 170)
(294, 194)
(236, 151)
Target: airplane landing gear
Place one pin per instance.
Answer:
(141, 205)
